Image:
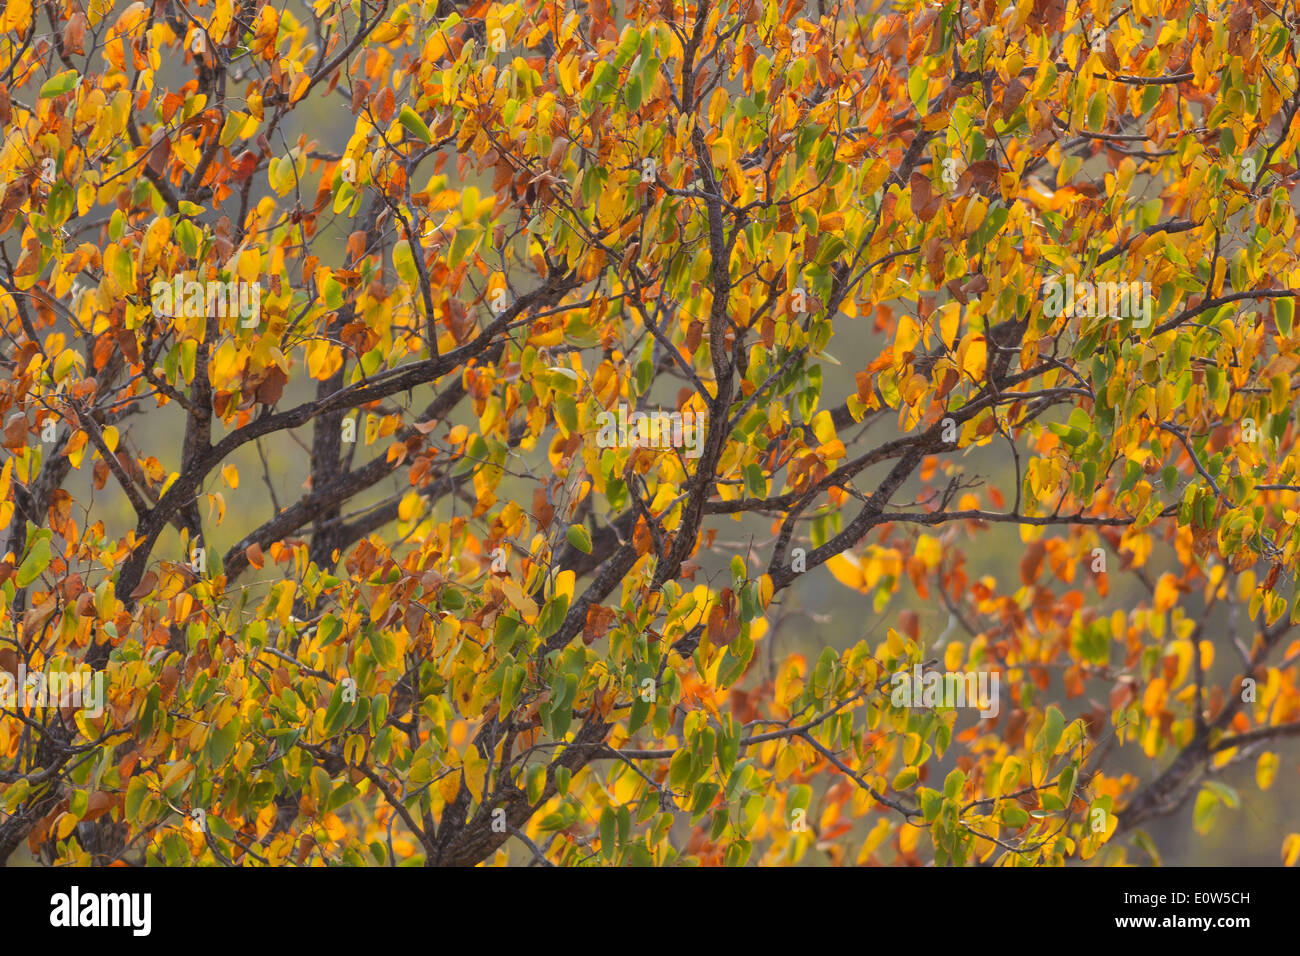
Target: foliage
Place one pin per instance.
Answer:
(481, 632)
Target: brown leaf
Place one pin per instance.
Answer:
(921, 190)
(360, 90)
(35, 619)
(272, 387)
(146, 586)
(983, 174)
(16, 431)
(1012, 95)
(909, 622)
(558, 149)
(542, 509)
(357, 244)
(1032, 562)
(98, 804)
(74, 34)
(599, 621)
(384, 104)
(167, 681)
(160, 150)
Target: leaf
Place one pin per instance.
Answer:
(952, 786)
(1225, 794)
(146, 586)
(904, 778)
(1053, 726)
(67, 823)
(1014, 815)
(579, 537)
(1097, 111)
(59, 84)
(1266, 770)
(412, 123)
(222, 740)
(37, 560)
(1284, 314)
(1205, 811)
(1291, 849)
(404, 263)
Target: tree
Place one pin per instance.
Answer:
(558, 300)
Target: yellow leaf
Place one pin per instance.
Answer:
(876, 176)
(717, 104)
(874, 839)
(823, 427)
(409, 506)
(110, 438)
(907, 337)
(231, 475)
(516, 596)
(449, 786)
(1291, 849)
(64, 364)
(847, 569)
(949, 322)
(929, 550)
(908, 838)
(973, 356)
(179, 769)
(67, 823)
(1266, 770)
(1166, 595)
(475, 771)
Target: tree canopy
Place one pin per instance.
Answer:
(423, 421)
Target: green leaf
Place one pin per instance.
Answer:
(412, 123)
(188, 237)
(221, 742)
(607, 824)
(1284, 314)
(1053, 725)
(931, 803)
(136, 791)
(59, 84)
(404, 263)
(918, 81)
(38, 559)
(1207, 808)
(904, 778)
(952, 786)
(1014, 815)
(579, 538)
(1097, 111)
(1065, 786)
(1225, 794)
